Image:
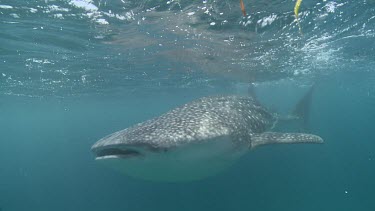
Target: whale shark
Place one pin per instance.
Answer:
(194, 141)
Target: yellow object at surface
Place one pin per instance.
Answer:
(296, 8)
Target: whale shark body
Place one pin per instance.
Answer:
(194, 141)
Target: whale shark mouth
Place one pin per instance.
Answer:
(116, 153)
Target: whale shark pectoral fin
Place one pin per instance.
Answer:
(283, 138)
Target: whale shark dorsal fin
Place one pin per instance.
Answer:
(251, 90)
(283, 138)
(302, 109)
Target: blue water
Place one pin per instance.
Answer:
(73, 71)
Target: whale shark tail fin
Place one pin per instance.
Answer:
(302, 109)
(283, 138)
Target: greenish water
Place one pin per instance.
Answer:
(72, 72)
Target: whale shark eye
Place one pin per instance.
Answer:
(118, 152)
